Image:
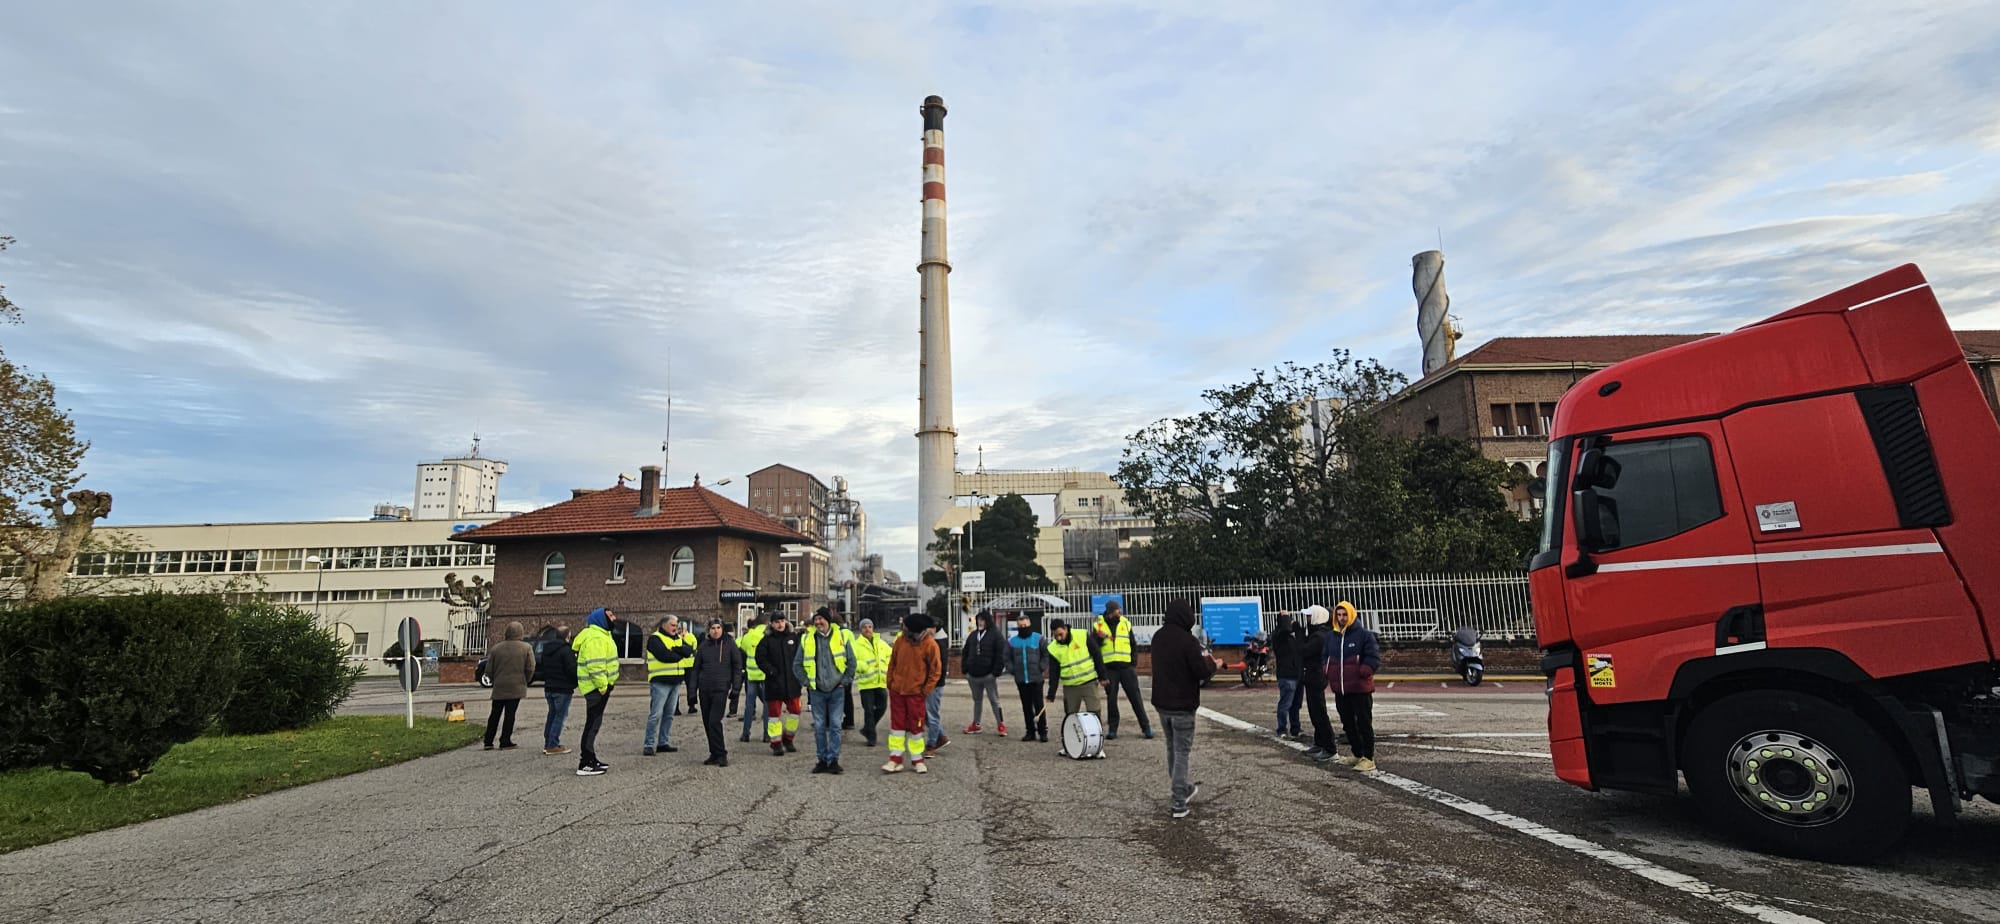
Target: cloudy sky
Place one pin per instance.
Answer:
(273, 255)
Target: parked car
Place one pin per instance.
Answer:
(541, 646)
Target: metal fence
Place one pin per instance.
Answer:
(1416, 607)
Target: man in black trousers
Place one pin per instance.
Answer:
(717, 661)
(1312, 680)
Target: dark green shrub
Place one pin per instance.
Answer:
(105, 685)
(294, 673)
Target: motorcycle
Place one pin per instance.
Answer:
(1466, 660)
(1255, 666)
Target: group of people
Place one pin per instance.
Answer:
(778, 671)
(1333, 652)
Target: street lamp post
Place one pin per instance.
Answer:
(319, 589)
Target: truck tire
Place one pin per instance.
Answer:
(1793, 774)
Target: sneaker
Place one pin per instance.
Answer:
(835, 768)
(601, 765)
(488, 747)
(1028, 737)
(941, 742)
(590, 771)
(920, 767)
(1323, 756)
(1345, 761)
(1146, 733)
(894, 766)
(1181, 812)
(819, 767)
(868, 740)
(746, 737)
(509, 747)
(647, 752)
(709, 762)
(558, 749)
(972, 729)
(1043, 737)
(777, 750)
(1003, 730)
(1281, 736)
(722, 761)
(1111, 735)
(669, 749)
(1365, 765)
(1196, 791)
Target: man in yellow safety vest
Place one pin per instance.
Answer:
(1112, 637)
(753, 676)
(669, 654)
(824, 668)
(1076, 670)
(871, 678)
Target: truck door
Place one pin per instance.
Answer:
(1667, 558)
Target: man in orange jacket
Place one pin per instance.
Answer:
(915, 668)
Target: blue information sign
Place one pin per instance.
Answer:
(1231, 620)
(1097, 602)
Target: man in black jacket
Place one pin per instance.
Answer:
(1179, 668)
(781, 689)
(558, 688)
(983, 660)
(1285, 644)
(717, 662)
(1312, 674)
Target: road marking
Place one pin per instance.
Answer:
(1743, 902)
(1439, 747)
(1471, 735)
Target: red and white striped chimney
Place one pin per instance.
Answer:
(936, 437)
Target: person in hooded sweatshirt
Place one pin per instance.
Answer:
(1179, 668)
(1312, 676)
(596, 674)
(1285, 645)
(1027, 663)
(511, 664)
(1352, 656)
(782, 691)
(983, 660)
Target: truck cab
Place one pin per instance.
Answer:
(1770, 564)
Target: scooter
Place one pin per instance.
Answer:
(1466, 661)
(1256, 664)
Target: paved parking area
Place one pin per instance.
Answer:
(999, 831)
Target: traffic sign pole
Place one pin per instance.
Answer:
(412, 672)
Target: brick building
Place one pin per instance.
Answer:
(645, 554)
(1501, 396)
(793, 497)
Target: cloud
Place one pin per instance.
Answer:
(273, 256)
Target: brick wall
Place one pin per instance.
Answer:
(642, 598)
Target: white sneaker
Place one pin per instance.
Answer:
(894, 766)
(590, 771)
(920, 767)
(1196, 791)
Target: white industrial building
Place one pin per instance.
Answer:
(458, 487)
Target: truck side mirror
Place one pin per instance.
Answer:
(1596, 521)
(1594, 469)
(1538, 488)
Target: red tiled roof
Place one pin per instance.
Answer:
(613, 510)
(1981, 344)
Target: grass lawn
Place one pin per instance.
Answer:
(40, 806)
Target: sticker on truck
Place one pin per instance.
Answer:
(1774, 517)
(1599, 668)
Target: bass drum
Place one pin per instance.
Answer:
(1082, 736)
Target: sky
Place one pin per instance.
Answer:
(275, 255)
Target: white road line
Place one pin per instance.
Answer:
(1744, 902)
(1470, 735)
(1438, 747)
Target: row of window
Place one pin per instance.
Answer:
(1522, 419)
(680, 569)
(305, 597)
(243, 561)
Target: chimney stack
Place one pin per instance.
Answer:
(936, 436)
(1434, 325)
(649, 490)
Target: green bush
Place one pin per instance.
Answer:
(294, 673)
(105, 685)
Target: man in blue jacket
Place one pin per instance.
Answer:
(1352, 655)
(1027, 659)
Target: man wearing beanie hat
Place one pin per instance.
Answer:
(782, 691)
(717, 662)
(1312, 677)
(914, 669)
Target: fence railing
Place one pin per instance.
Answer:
(1416, 607)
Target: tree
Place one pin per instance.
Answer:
(1288, 475)
(1001, 543)
(39, 460)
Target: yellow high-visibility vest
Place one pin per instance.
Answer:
(809, 646)
(871, 663)
(1073, 660)
(1117, 647)
(749, 645)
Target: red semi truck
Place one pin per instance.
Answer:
(1770, 563)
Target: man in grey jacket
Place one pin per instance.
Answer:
(824, 667)
(511, 664)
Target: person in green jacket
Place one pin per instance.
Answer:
(596, 675)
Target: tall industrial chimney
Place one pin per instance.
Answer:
(1434, 325)
(936, 437)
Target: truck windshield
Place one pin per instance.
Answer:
(1556, 491)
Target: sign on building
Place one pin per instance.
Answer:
(1231, 620)
(972, 582)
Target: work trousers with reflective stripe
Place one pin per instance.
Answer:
(785, 729)
(906, 726)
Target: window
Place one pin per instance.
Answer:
(243, 561)
(680, 573)
(788, 575)
(395, 556)
(166, 562)
(1663, 488)
(553, 571)
(349, 559)
(1503, 419)
(360, 647)
(1431, 427)
(281, 560)
(618, 567)
(750, 567)
(207, 562)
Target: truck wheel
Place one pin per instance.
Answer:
(1796, 775)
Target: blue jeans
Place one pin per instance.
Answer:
(558, 714)
(1289, 702)
(933, 723)
(660, 721)
(753, 703)
(828, 706)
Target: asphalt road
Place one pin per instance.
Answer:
(999, 831)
